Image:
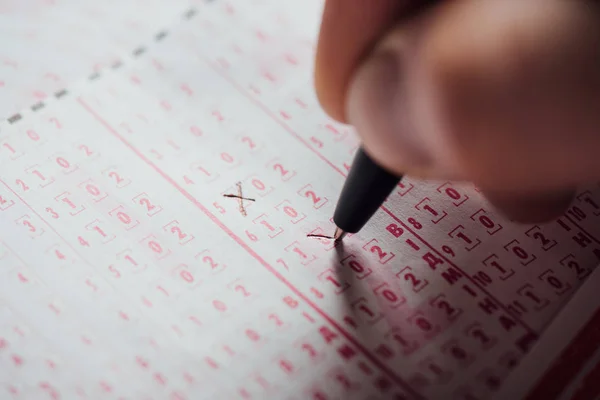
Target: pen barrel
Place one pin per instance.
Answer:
(366, 188)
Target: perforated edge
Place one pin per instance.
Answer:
(136, 53)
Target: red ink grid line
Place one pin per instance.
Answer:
(288, 129)
(568, 365)
(397, 379)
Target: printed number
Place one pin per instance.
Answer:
(144, 201)
(55, 122)
(131, 264)
(329, 276)
(183, 272)
(409, 276)
(458, 198)
(92, 189)
(219, 305)
(33, 135)
(382, 256)
(528, 292)
(206, 175)
(577, 213)
(364, 310)
(305, 258)
(208, 259)
(174, 228)
(121, 214)
(290, 301)
(247, 140)
(22, 184)
(454, 350)
(555, 282)
(236, 286)
(219, 207)
(586, 198)
(95, 226)
(117, 178)
(486, 221)
(441, 303)
(12, 151)
(228, 159)
(86, 149)
(492, 261)
(523, 255)
(59, 255)
(571, 263)
(459, 233)
(262, 220)
(158, 250)
(284, 173)
(437, 215)
(29, 226)
(261, 187)
(32, 229)
(408, 345)
(5, 204)
(429, 328)
(536, 233)
(308, 192)
(391, 297)
(241, 289)
(477, 332)
(62, 162)
(65, 198)
(360, 271)
(290, 211)
(195, 131)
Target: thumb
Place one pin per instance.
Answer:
(502, 93)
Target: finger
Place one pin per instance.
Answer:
(503, 93)
(531, 209)
(349, 29)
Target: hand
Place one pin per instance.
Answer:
(501, 93)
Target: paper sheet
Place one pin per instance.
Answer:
(48, 44)
(565, 363)
(125, 273)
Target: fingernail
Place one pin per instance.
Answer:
(379, 108)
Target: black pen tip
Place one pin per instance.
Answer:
(339, 234)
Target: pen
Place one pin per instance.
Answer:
(365, 190)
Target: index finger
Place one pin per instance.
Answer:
(349, 29)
